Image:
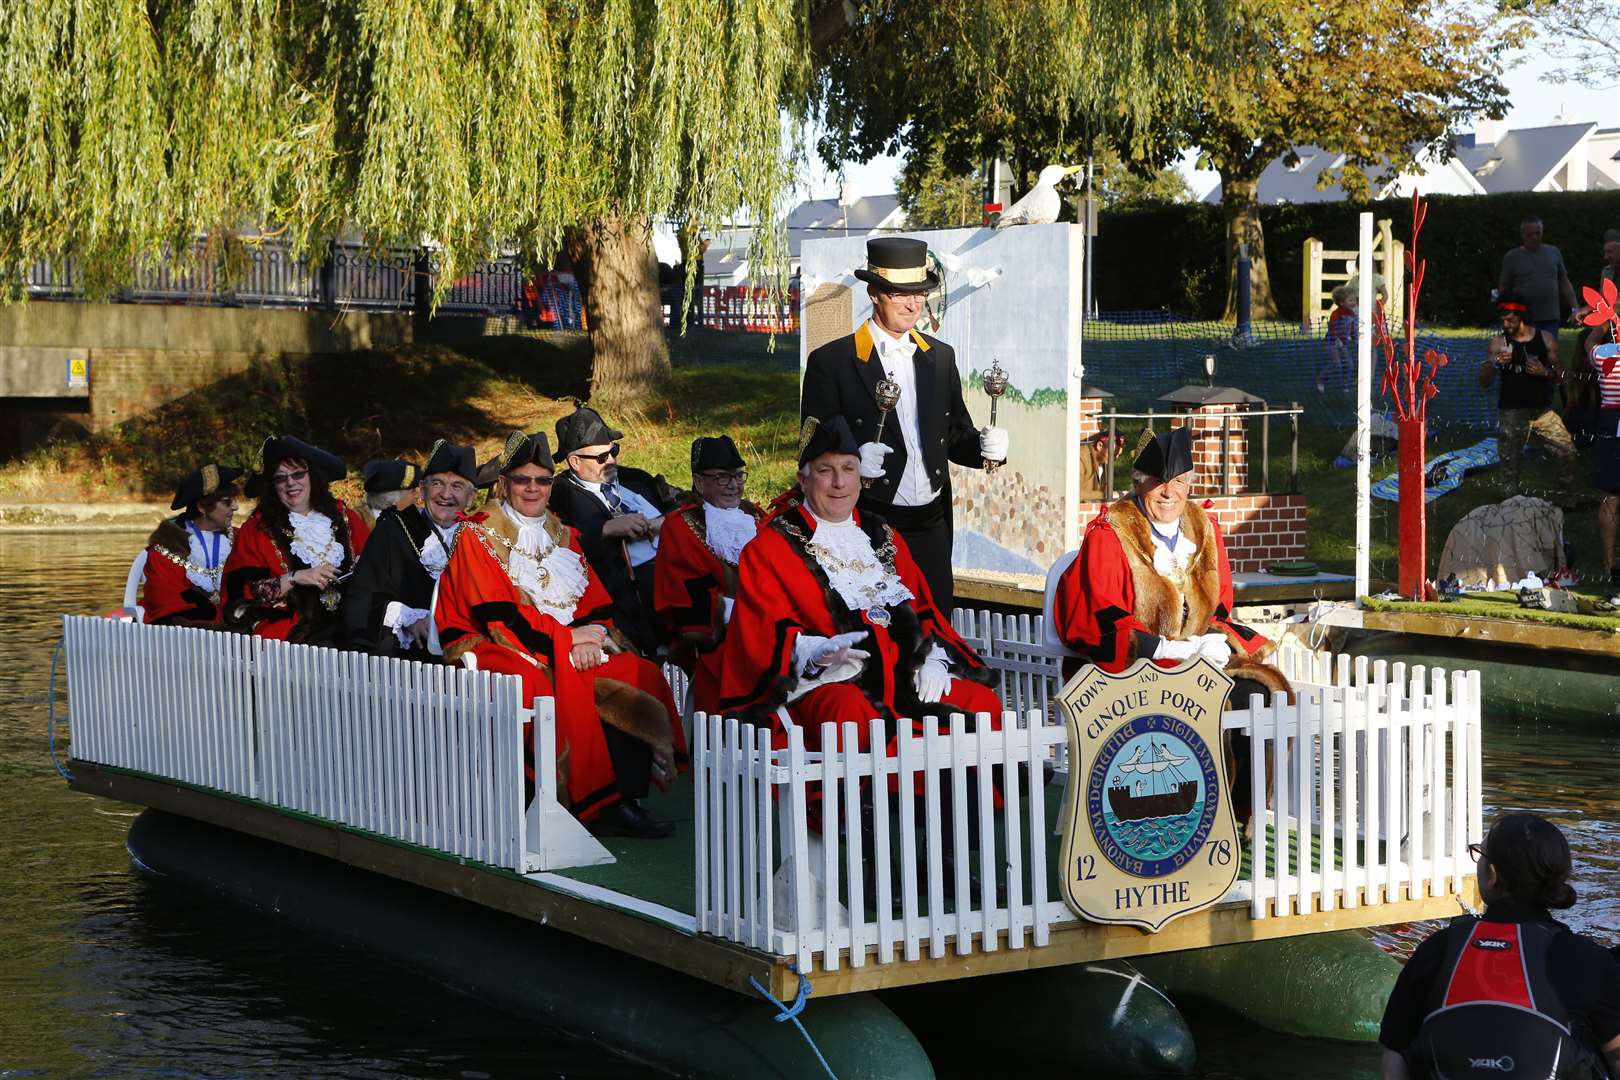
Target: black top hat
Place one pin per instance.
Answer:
(1169, 455)
(714, 452)
(389, 475)
(583, 427)
(197, 485)
(830, 436)
(450, 458)
(521, 450)
(323, 466)
(898, 264)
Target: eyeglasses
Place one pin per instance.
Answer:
(1478, 852)
(602, 458)
(282, 479)
(724, 479)
(531, 481)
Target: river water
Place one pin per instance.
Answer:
(105, 973)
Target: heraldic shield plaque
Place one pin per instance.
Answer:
(1150, 835)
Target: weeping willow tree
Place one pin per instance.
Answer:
(130, 127)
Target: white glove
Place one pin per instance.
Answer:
(1176, 650)
(726, 604)
(993, 443)
(812, 651)
(872, 455)
(933, 680)
(1216, 647)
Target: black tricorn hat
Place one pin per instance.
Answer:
(830, 436)
(583, 427)
(384, 474)
(521, 450)
(198, 484)
(1167, 456)
(322, 465)
(714, 452)
(898, 264)
(450, 458)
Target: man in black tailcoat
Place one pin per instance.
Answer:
(930, 426)
(619, 512)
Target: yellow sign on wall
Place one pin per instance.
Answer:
(78, 372)
(1151, 836)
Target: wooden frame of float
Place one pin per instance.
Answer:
(1532, 634)
(709, 958)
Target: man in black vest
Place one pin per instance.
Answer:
(619, 512)
(930, 428)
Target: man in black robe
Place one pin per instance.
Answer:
(387, 603)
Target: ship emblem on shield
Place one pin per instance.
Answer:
(1150, 835)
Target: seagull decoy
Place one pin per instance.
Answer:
(1040, 206)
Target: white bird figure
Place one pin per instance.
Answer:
(1042, 203)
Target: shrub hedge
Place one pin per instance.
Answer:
(1171, 256)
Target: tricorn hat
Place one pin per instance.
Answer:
(1167, 456)
(322, 465)
(898, 264)
(521, 450)
(830, 436)
(450, 458)
(583, 427)
(715, 452)
(198, 484)
(386, 474)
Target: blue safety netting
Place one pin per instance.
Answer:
(1139, 355)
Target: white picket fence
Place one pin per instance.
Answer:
(1375, 773)
(423, 753)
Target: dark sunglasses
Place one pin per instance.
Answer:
(602, 458)
(531, 481)
(282, 479)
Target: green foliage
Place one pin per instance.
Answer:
(1170, 257)
(934, 197)
(128, 128)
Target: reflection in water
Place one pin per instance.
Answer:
(105, 973)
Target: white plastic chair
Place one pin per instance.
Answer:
(134, 612)
(1049, 634)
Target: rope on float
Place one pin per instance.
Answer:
(791, 1012)
(50, 725)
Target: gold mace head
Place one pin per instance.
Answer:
(888, 394)
(995, 380)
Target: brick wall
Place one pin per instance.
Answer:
(127, 382)
(1259, 529)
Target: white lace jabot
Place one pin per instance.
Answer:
(554, 576)
(1165, 561)
(200, 571)
(845, 553)
(726, 531)
(434, 555)
(313, 541)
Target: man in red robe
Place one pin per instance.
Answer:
(185, 555)
(834, 621)
(1152, 580)
(519, 595)
(695, 578)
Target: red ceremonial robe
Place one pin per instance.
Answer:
(783, 592)
(169, 595)
(690, 582)
(301, 615)
(483, 611)
(1112, 606)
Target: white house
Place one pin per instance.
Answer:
(726, 260)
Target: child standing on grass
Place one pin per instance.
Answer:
(1342, 328)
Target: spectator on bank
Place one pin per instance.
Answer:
(1581, 384)
(1523, 361)
(1342, 328)
(1535, 272)
(1515, 986)
(1606, 450)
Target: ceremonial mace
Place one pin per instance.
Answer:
(887, 392)
(995, 384)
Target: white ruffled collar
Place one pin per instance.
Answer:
(553, 575)
(727, 530)
(1166, 561)
(435, 552)
(313, 539)
(203, 569)
(845, 553)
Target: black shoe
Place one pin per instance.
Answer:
(627, 818)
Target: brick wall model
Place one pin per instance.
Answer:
(1259, 529)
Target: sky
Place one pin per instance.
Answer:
(1535, 103)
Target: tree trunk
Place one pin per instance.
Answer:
(1240, 205)
(618, 280)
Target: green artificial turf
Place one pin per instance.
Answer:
(1500, 605)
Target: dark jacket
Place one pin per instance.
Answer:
(389, 570)
(631, 593)
(840, 380)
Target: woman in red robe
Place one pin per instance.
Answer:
(519, 595)
(284, 577)
(186, 554)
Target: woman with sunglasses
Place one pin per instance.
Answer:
(519, 596)
(1515, 993)
(284, 577)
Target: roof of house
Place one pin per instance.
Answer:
(809, 220)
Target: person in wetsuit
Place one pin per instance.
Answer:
(1515, 993)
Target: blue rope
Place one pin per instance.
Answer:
(51, 723)
(791, 1012)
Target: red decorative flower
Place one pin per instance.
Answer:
(1602, 304)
